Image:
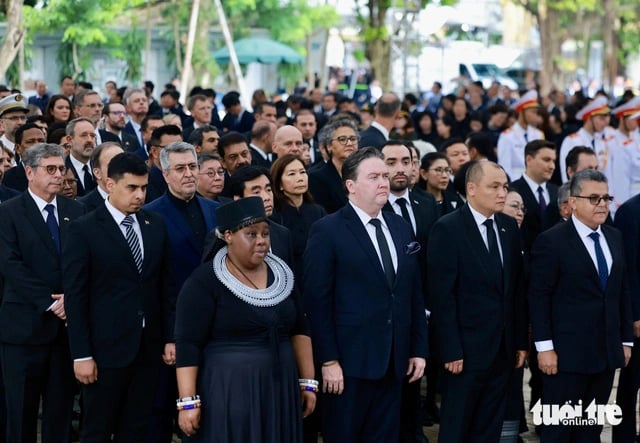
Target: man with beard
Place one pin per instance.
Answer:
(188, 218)
(88, 104)
(420, 211)
(115, 119)
(82, 138)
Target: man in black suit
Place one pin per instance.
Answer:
(364, 300)
(386, 110)
(478, 307)
(82, 138)
(287, 140)
(200, 108)
(115, 116)
(325, 181)
(235, 154)
(137, 105)
(147, 126)
(237, 118)
(306, 122)
(160, 138)
(204, 139)
(262, 136)
(88, 104)
(120, 329)
(100, 159)
(27, 135)
(534, 187)
(628, 221)
(421, 212)
(34, 348)
(251, 181)
(581, 309)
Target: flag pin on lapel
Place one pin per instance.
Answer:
(503, 230)
(66, 219)
(147, 222)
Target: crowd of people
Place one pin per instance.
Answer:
(302, 269)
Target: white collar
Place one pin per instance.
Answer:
(583, 230)
(40, 203)
(381, 128)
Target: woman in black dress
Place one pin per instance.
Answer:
(294, 206)
(243, 351)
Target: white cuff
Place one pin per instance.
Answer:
(545, 345)
(630, 344)
(83, 359)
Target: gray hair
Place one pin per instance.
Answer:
(328, 131)
(71, 126)
(563, 193)
(175, 147)
(592, 175)
(129, 92)
(78, 99)
(32, 156)
(202, 158)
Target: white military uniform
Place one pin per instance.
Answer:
(624, 181)
(512, 141)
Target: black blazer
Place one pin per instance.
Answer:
(628, 222)
(92, 200)
(471, 314)
(16, 178)
(157, 184)
(7, 193)
(135, 142)
(533, 224)
(258, 160)
(355, 316)
(371, 137)
(244, 125)
(106, 136)
(106, 299)
(325, 184)
(281, 243)
(568, 305)
(81, 189)
(32, 270)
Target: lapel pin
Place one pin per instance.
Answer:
(147, 222)
(503, 230)
(66, 219)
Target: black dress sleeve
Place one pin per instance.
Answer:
(301, 326)
(195, 311)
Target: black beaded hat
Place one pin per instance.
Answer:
(238, 214)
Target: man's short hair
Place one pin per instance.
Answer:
(86, 85)
(259, 107)
(574, 155)
(230, 138)
(78, 99)
(498, 108)
(243, 175)
(149, 85)
(157, 133)
(129, 92)
(564, 191)
(97, 152)
(191, 103)
(475, 171)
(304, 112)
(260, 129)
(71, 126)
(196, 137)
(178, 148)
(482, 142)
(386, 107)
(25, 127)
(351, 164)
(203, 158)
(144, 124)
(33, 156)
(450, 142)
(575, 185)
(395, 142)
(231, 98)
(126, 163)
(172, 93)
(533, 147)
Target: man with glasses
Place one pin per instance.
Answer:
(88, 104)
(34, 347)
(580, 306)
(13, 114)
(189, 218)
(211, 181)
(115, 119)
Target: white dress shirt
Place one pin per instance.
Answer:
(371, 230)
(480, 219)
(393, 201)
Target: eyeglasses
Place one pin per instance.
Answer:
(52, 169)
(181, 169)
(517, 207)
(16, 118)
(442, 170)
(69, 182)
(596, 199)
(213, 172)
(118, 113)
(95, 105)
(344, 140)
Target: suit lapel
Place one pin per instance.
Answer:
(110, 227)
(506, 253)
(145, 228)
(474, 239)
(394, 229)
(583, 254)
(35, 218)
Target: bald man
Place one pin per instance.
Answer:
(386, 110)
(262, 136)
(287, 140)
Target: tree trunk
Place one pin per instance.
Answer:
(13, 39)
(550, 47)
(378, 43)
(185, 79)
(611, 60)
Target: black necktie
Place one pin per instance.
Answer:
(87, 179)
(52, 224)
(603, 269)
(403, 209)
(495, 263)
(526, 136)
(387, 262)
(541, 201)
(593, 143)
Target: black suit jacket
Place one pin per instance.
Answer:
(135, 142)
(258, 160)
(157, 184)
(355, 316)
(371, 137)
(106, 299)
(325, 184)
(568, 305)
(472, 315)
(32, 271)
(106, 136)
(628, 222)
(81, 188)
(245, 123)
(7, 193)
(92, 200)
(533, 224)
(281, 243)
(16, 178)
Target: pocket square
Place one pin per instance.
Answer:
(412, 248)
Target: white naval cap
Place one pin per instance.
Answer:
(597, 106)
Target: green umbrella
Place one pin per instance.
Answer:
(259, 49)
